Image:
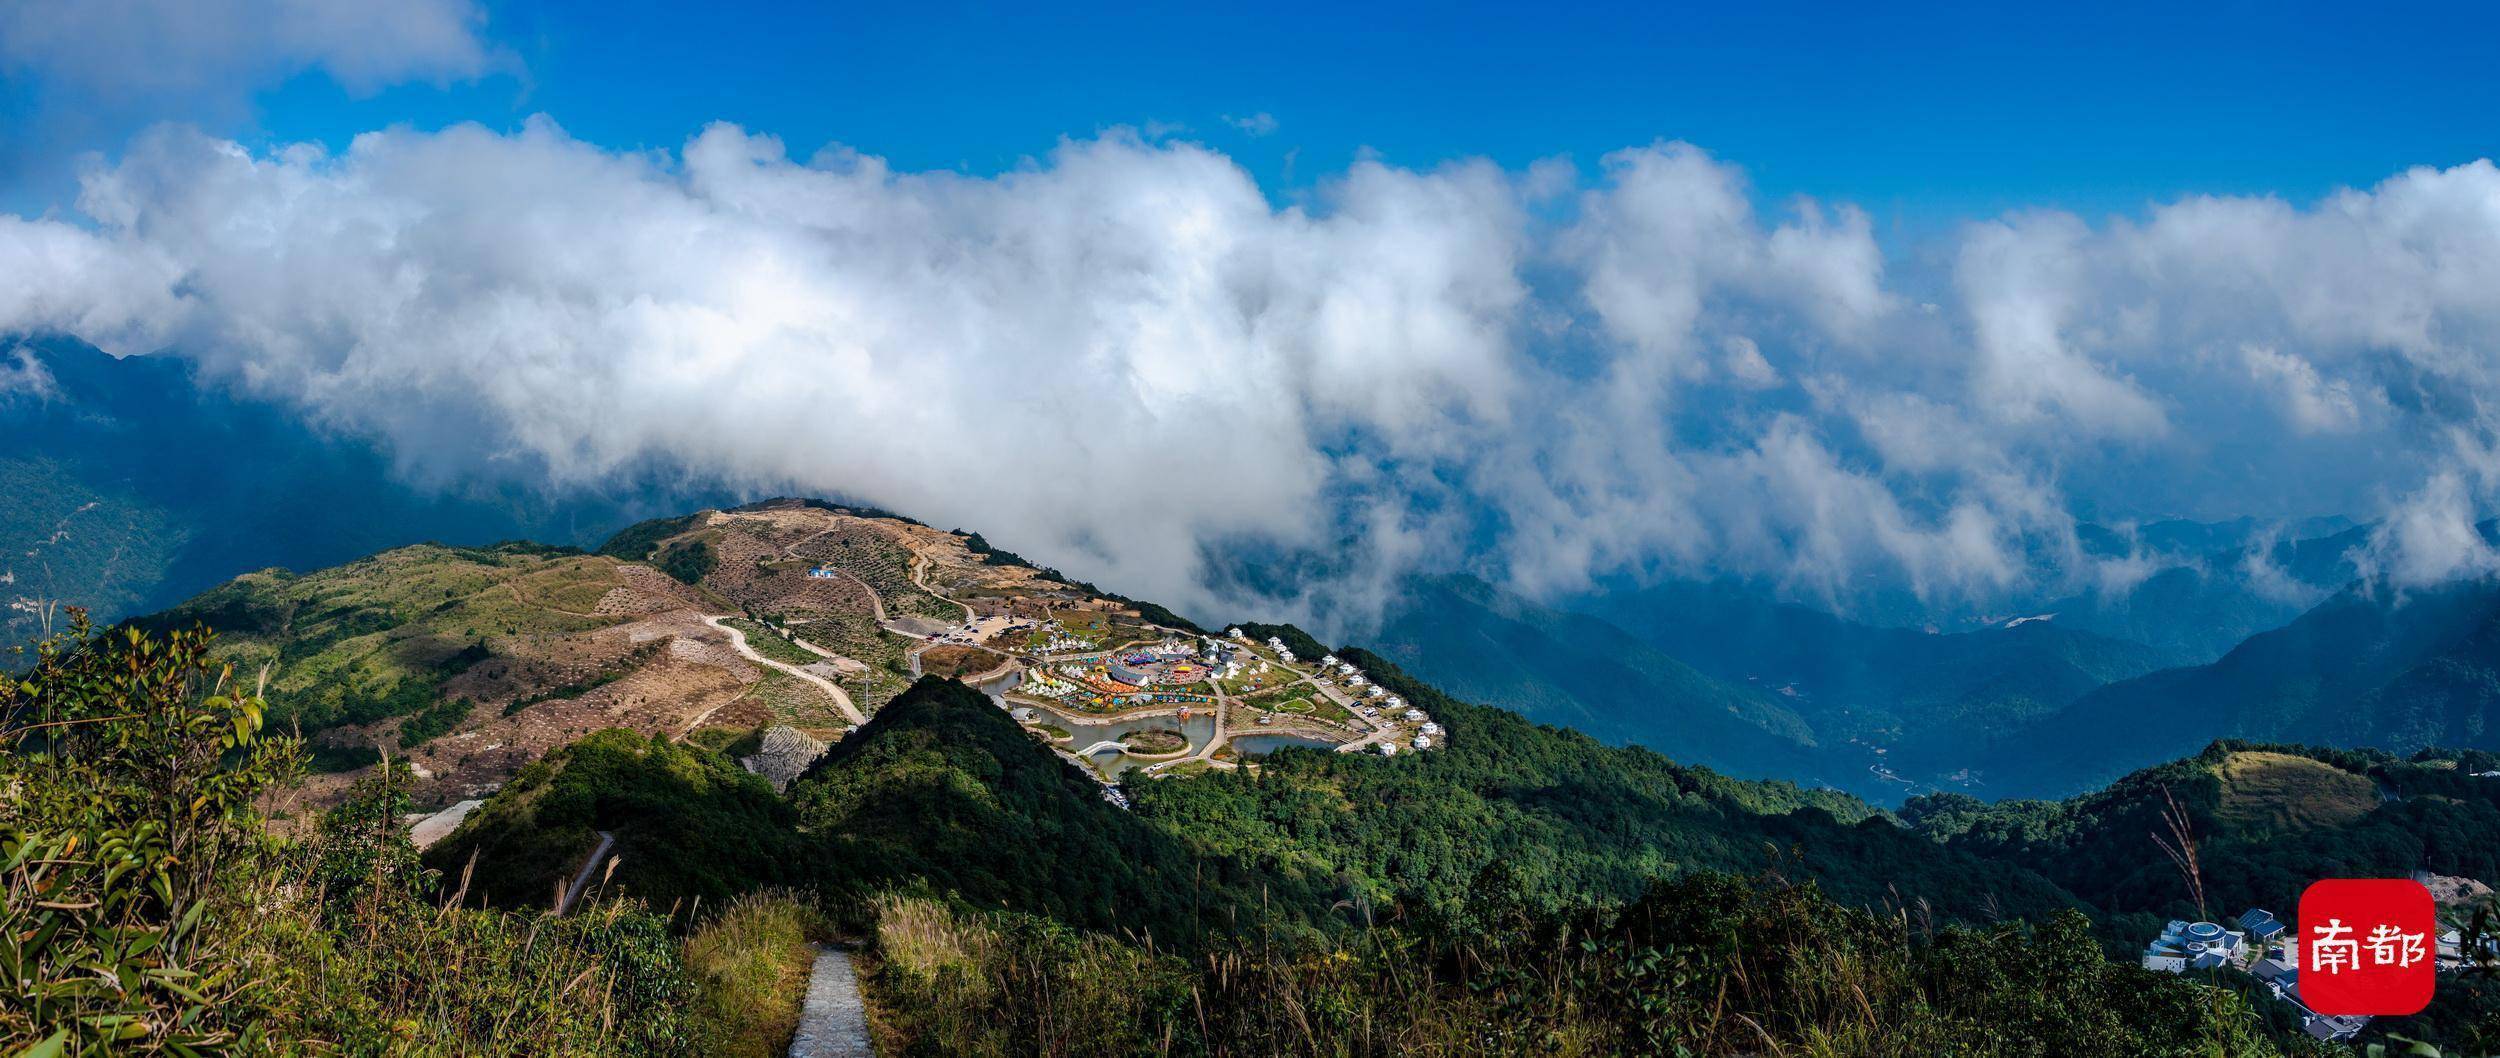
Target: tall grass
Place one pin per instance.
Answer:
(952, 982)
(1705, 966)
(750, 965)
(417, 979)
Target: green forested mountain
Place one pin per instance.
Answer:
(688, 823)
(1521, 888)
(940, 786)
(1718, 674)
(1889, 683)
(1572, 819)
(2369, 667)
(133, 484)
(2267, 820)
(1578, 671)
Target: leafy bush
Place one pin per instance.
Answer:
(953, 981)
(146, 908)
(135, 766)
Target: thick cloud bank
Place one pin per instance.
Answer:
(1124, 357)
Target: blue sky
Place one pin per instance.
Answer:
(1919, 116)
(1927, 287)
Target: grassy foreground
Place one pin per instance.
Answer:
(148, 906)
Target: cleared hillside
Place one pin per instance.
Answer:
(472, 662)
(2264, 793)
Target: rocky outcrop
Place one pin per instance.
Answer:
(785, 753)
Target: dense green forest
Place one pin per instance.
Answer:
(1528, 891)
(942, 786)
(1438, 870)
(2402, 671)
(1572, 820)
(2267, 820)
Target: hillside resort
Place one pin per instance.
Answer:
(1183, 703)
(2265, 947)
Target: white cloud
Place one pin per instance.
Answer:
(1742, 359)
(2312, 404)
(1259, 124)
(23, 376)
(1123, 354)
(2023, 280)
(1672, 236)
(2431, 537)
(125, 48)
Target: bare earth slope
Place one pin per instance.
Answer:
(471, 662)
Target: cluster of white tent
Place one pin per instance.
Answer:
(1374, 700)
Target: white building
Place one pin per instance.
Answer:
(1422, 743)
(2186, 946)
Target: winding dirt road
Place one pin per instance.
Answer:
(738, 642)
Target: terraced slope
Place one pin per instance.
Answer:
(472, 662)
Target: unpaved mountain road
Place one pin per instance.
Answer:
(738, 642)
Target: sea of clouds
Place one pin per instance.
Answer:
(1128, 359)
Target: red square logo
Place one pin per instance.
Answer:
(2368, 946)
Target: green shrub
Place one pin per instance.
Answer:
(690, 561)
(135, 767)
(433, 722)
(146, 908)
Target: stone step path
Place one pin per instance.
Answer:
(833, 1024)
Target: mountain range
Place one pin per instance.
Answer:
(133, 484)
(2368, 667)
(138, 484)
(2043, 705)
(589, 705)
